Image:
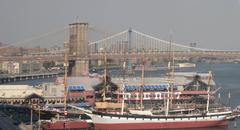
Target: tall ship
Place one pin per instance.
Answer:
(173, 108)
(167, 115)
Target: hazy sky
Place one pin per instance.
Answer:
(210, 23)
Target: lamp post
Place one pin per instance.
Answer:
(35, 104)
(31, 120)
(39, 116)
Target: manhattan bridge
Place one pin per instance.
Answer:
(129, 44)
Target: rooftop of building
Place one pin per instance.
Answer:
(18, 91)
(85, 82)
(180, 79)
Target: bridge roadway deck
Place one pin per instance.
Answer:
(133, 55)
(180, 54)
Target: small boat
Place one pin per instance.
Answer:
(186, 65)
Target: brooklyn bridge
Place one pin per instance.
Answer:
(127, 45)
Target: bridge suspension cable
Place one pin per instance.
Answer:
(108, 38)
(30, 40)
(138, 41)
(175, 45)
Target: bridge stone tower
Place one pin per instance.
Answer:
(78, 48)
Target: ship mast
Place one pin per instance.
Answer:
(172, 71)
(208, 91)
(105, 75)
(65, 76)
(142, 84)
(170, 77)
(123, 98)
(167, 105)
(123, 81)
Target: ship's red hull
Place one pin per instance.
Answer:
(65, 125)
(162, 125)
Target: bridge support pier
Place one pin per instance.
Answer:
(78, 47)
(80, 68)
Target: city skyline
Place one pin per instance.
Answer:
(211, 24)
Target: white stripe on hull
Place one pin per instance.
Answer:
(118, 120)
